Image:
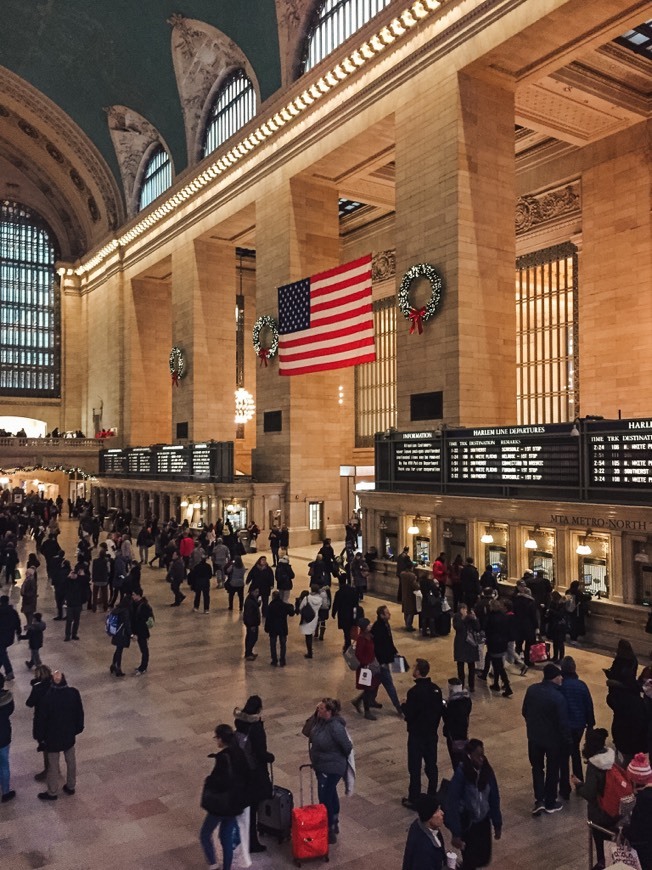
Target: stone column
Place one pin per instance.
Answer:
(455, 195)
(297, 235)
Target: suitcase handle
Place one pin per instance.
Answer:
(302, 767)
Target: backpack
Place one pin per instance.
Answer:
(243, 742)
(616, 787)
(112, 624)
(307, 613)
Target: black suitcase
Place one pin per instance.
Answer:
(275, 813)
(443, 623)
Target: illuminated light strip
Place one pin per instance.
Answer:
(417, 11)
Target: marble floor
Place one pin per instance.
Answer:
(142, 757)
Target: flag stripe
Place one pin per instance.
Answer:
(322, 367)
(363, 341)
(321, 289)
(338, 302)
(325, 333)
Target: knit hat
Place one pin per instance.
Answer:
(364, 624)
(427, 806)
(550, 672)
(638, 770)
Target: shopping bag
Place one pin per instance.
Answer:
(399, 665)
(539, 652)
(418, 600)
(365, 677)
(621, 853)
(351, 658)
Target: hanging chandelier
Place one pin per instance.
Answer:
(245, 407)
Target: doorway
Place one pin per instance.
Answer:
(316, 521)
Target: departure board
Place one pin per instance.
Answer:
(417, 457)
(113, 461)
(201, 461)
(209, 461)
(542, 456)
(173, 461)
(139, 460)
(620, 454)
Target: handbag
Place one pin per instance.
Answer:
(621, 853)
(418, 600)
(365, 677)
(399, 665)
(539, 652)
(351, 659)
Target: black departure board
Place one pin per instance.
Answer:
(113, 461)
(540, 456)
(173, 461)
(139, 460)
(209, 461)
(417, 456)
(202, 461)
(620, 454)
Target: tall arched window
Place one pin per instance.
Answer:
(336, 20)
(157, 177)
(234, 106)
(29, 305)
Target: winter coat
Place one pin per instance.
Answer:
(141, 611)
(34, 634)
(593, 786)
(39, 690)
(253, 742)
(251, 612)
(319, 572)
(498, 632)
(100, 570)
(176, 572)
(75, 591)
(457, 714)
(421, 851)
(230, 780)
(383, 642)
(284, 575)
(557, 623)
(345, 606)
(122, 638)
(316, 601)
(276, 621)
(186, 546)
(546, 716)
(463, 649)
(623, 670)
(365, 653)
(629, 726)
(221, 555)
(431, 599)
(525, 616)
(409, 585)
(423, 709)
(9, 625)
(6, 710)
(459, 809)
(330, 745)
(61, 718)
(470, 582)
(29, 592)
(200, 576)
(639, 832)
(359, 573)
(237, 577)
(580, 703)
(261, 579)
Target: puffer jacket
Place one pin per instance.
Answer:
(330, 745)
(593, 786)
(580, 703)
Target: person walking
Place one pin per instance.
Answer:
(525, 622)
(276, 626)
(346, 608)
(34, 637)
(221, 556)
(224, 798)
(100, 574)
(359, 571)
(548, 734)
(251, 738)
(40, 684)
(121, 637)
(409, 585)
(330, 747)
(29, 595)
(284, 577)
(581, 718)
(424, 849)
(309, 606)
(175, 577)
(59, 723)
(470, 583)
(456, 716)
(142, 619)
(6, 711)
(498, 636)
(366, 656)
(200, 577)
(599, 761)
(9, 631)
(75, 594)
(473, 807)
(386, 653)
(422, 710)
(251, 620)
(466, 643)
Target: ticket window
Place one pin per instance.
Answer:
(642, 566)
(542, 557)
(421, 545)
(454, 540)
(593, 567)
(236, 513)
(389, 537)
(495, 552)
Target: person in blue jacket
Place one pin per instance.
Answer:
(473, 807)
(580, 718)
(424, 849)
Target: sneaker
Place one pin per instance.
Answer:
(555, 808)
(68, 790)
(206, 612)
(8, 796)
(139, 673)
(538, 808)
(369, 715)
(46, 796)
(195, 610)
(507, 693)
(495, 688)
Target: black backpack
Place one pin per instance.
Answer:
(307, 613)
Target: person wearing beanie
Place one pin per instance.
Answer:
(548, 734)
(284, 576)
(251, 738)
(580, 718)
(422, 710)
(639, 831)
(424, 848)
(599, 760)
(639, 771)
(456, 715)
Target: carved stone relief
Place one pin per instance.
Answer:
(383, 266)
(293, 17)
(132, 137)
(203, 57)
(532, 211)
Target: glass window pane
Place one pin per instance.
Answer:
(234, 107)
(337, 21)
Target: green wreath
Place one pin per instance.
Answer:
(177, 363)
(418, 316)
(265, 353)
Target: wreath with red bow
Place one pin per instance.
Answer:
(265, 353)
(418, 316)
(177, 363)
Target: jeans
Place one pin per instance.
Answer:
(73, 615)
(571, 754)
(54, 772)
(4, 770)
(388, 684)
(175, 586)
(421, 749)
(327, 793)
(144, 653)
(499, 672)
(205, 593)
(35, 657)
(544, 785)
(4, 662)
(251, 638)
(228, 837)
(143, 553)
(282, 641)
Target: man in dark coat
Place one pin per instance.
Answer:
(276, 626)
(424, 849)
(10, 629)
(548, 736)
(61, 719)
(75, 594)
(346, 608)
(49, 549)
(251, 620)
(100, 572)
(200, 580)
(403, 563)
(470, 583)
(175, 577)
(142, 616)
(525, 622)
(385, 653)
(422, 709)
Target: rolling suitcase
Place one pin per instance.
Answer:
(443, 623)
(275, 813)
(309, 826)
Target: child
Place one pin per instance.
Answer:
(34, 636)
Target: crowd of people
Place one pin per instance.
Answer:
(491, 632)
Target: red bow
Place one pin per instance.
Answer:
(175, 379)
(263, 353)
(416, 318)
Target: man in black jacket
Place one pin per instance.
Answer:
(548, 736)
(75, 594)
(142, 616)
(10, 629)
(251, 620)
(525, 622)
(470, 583)
(346, 608)
(60, 720)
(276, 626)
(422, 709)
(385, 653)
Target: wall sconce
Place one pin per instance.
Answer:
(531, 543)
(414, 528)
(583, 548)
(488, 538)
(184, 503)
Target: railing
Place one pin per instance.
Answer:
(43, 443)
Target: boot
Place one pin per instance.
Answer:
(322, 631)
(357, 703)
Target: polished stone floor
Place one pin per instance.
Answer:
(142, 757)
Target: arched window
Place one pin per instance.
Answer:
(29, 305)
(157, 177)
(234, 106)
(337, 20)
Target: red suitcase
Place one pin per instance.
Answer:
(309, 826)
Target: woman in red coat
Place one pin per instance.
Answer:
(366, 655)
(440, 572)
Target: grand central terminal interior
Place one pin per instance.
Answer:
(308, 262)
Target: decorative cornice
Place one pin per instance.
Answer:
(535, 210)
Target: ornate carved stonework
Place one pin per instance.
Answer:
(203, 57)
(383, 266)
(532, 211)
(293, 18)
(132, 137)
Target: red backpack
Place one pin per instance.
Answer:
(616, 787)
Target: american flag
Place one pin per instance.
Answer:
(327, 321)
